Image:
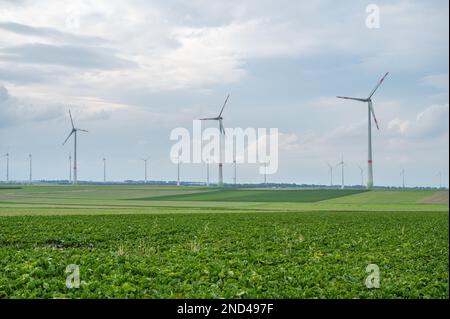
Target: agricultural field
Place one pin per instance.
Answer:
(193, 242)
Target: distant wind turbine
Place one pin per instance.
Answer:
(330, 172)
(235, 171)
(371, 112)
(402, 173)
(361, 170)
(222, 133)
(104, 169)
(74, 132)
(207, 172)
(178, 167)
(30, 158)
(341, 163)
(145, 160)
(265, 172)
(7, 166)
(439, 174)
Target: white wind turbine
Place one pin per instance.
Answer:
(74, 132)
(402, 173)
(265, 172)
(104, 169)
(7, 166)
(30, 158)
(330, 172)
(207, 172)
(342, 164)
(439, 174)
(178, 167)
(235, 171)
(222, 133)
(371, 113)
(145, 160)
(361, 171)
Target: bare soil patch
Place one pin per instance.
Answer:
(440, 197)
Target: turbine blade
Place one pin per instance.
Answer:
(378, 85)
(373, 114)
(352, 98)
(79, 129)
(71, 119)
(223, 107)
(209, 119)
(68, 137)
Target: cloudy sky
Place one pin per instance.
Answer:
(132, 71)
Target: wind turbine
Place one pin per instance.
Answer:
(222, 133)
(104, 169)
(341, 163)
(145, 160)
(265, 172)
(330, 172)
(402, 173)
(371, 113)
(439, 174)
(7, 166)
(74, 132)
(30, 158)
(207, 173)
(178, 167)
(361, 170)
(235, 170)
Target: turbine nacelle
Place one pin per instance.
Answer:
(74, 129)
(219, 118)
(368, 99)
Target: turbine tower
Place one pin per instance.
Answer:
(265, 173)
(439, 174)
(330, 172)
(235, 178)
(70, 167)
(178, 167)
(30, 158)
(74, 132)
(207, 172)
(371, 113)
(341, 163)
(104, 169)
(145, 160)
(402, 173)
(7, 166)
(361, 170)
(222, 133)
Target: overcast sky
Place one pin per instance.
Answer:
(131, 71)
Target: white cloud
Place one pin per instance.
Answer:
(438, 81)
(430, 123)
(18, 111)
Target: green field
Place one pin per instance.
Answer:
(193, 242)
(263, 196)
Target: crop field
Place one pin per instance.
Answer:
(193, 242)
